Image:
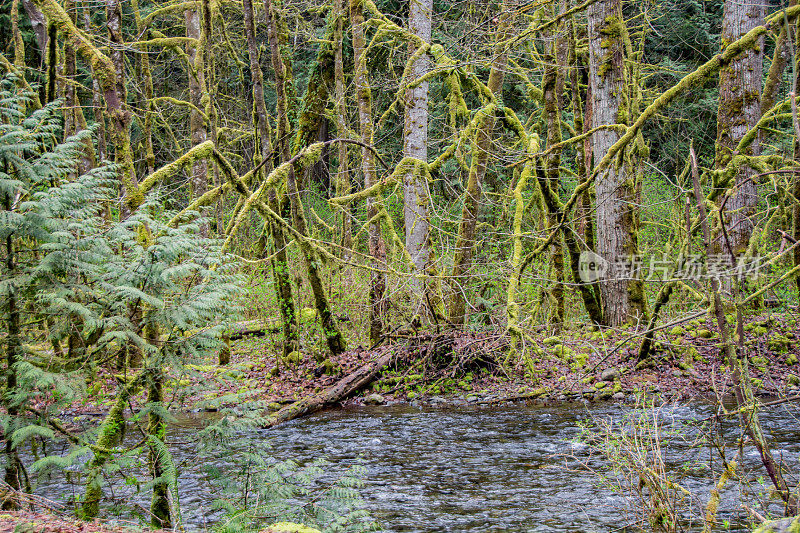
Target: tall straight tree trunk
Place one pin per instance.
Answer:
(333, 336)
(377, 248)
(553, 95)
(465, 244)
(143, 62)
(13, 346)
(416, 197)
(343, 172)
(279, 264)
(117, 103)
(197, 126)
(615, 190)
(739, 110)
(157, 431)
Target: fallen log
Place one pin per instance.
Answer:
(337, 392)
(255, 328)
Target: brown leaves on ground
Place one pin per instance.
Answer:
(41, 522)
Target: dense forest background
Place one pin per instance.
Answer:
(380, 189)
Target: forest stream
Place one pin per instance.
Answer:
(473, 469)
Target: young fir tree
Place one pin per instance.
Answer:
(89, 288)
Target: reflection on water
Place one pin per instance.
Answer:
(468, 469)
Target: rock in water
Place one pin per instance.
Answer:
(374, 399)
(784, 525)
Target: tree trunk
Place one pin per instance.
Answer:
(157, 429)
(739, 110)
(13, 467)
(553, 95)
(465, 244)
(615, 190)
(143, 62)
(416, 197)
(333, 336)
(39, 25)
(343, 172)
(344, 388)
(377, 248)
(197, 126)
(279, 265)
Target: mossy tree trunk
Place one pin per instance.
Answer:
(343, 172)
(333, 336)
(416, 197)
(279, 264)
(377, 247)
(160, 508)
(553, 82)
(736, 358)
(109, 432)
(615, 189)
(13, 351)
(146, 76)
(739, 110)
(465, 243)
(197, 93)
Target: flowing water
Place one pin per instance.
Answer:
(472, 469)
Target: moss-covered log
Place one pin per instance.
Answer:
(342, 390)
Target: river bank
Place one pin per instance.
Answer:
(473, 368)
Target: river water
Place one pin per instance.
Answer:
(472, 469)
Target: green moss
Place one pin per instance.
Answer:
(779, 343)
(677, 331)
(290, 527)
(552, 341)
(561, 351)
(791, 359)
(705, 334)
(308, 314)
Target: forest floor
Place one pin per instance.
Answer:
(472, 367)
(50, 522)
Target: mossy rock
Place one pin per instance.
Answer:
(579, 361)
(791, 359)
(289, 527)
(541, 391)
(759, 362)
(779, 343)
(601, 385)
(677, 331)
(784, 525)
(605, 394)
(330, 368)
(561, 351)
(793, 380)
(203, 368)
(759, 331)
(552, 341)
(292, 358)
(705, 334)
(410, 395)
(308, 314)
